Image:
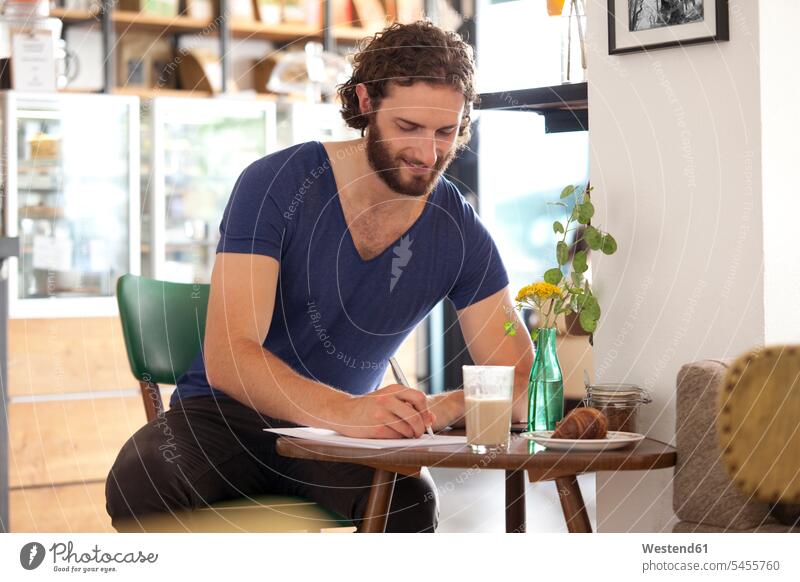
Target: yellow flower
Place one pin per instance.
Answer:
(523, 293)
(540, 290)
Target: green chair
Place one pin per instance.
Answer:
(164, 325)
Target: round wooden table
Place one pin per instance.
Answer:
(520, 457)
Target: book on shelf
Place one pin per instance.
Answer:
(154, 7)
(303, 12)
(143, 60)
(243, 10)
(269, 11)
(371, 14)
(409, 10)
(341, 12)
(201, 9)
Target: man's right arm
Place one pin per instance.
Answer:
(240, 306)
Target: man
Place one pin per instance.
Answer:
(330, 254)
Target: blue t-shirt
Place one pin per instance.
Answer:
(338, 318)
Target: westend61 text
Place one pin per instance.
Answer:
(670, 549)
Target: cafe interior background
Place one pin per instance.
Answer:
(126, 166)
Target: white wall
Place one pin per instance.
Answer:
(675, 144)
(780, 96)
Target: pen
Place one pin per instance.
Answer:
(401, 379)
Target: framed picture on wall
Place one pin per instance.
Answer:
(643, 25)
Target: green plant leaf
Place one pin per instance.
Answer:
(590, 306)
(562, 252)
(588, 321)
(578, 191)
(609, 244)
(558, 227)
(568, 190)
(535, 334)
(577, 280)
(553, 276)
(585, 212)
(593, 238)
(558, 204)
(579, 262)
(510, 328)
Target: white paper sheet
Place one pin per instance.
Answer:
(334, 438)
(33, 60)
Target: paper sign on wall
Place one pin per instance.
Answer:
(33, 64)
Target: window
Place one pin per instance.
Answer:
(518, 45)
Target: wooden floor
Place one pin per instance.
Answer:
(62, 508)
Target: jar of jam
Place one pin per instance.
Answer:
(619, 402)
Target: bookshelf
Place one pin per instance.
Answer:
(115, 23)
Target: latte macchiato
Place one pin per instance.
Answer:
(488, 420)
(488, 395)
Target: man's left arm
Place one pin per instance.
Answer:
(482, 325)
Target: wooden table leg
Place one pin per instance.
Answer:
(515, 501)
(379, 502)
(569, 492)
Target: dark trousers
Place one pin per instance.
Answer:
(208, 449)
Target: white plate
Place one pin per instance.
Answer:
(614, 440)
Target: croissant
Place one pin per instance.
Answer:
(582, 423)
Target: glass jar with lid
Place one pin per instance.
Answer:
(619, 402)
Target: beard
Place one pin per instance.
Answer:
(389, 167)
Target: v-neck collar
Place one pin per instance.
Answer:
(340, 211)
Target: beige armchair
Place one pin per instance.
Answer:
(704, 498)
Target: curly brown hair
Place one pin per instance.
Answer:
(405, 54)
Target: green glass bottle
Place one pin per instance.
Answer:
(546, 385)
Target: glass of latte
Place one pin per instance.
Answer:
(488, 394)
